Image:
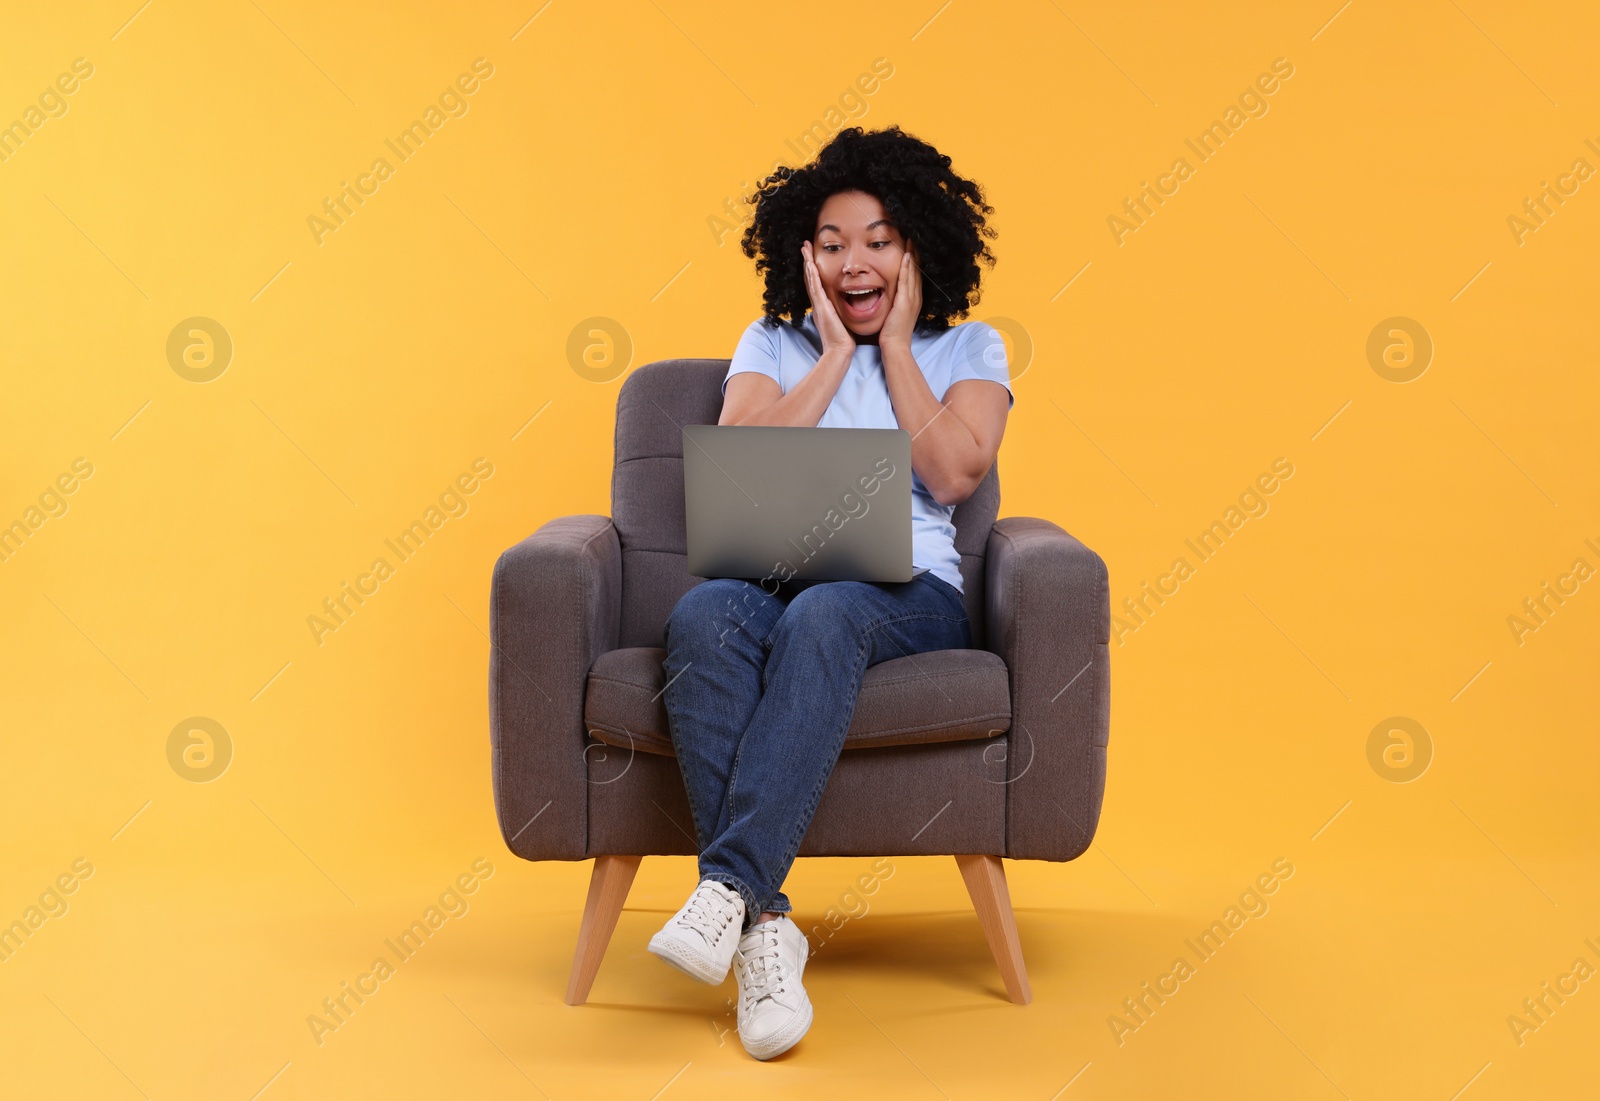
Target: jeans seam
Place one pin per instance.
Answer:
(911, 616)
(791, 850)
(733, 776)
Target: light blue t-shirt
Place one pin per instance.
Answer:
(974, 349)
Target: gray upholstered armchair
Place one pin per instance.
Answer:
(998, 751)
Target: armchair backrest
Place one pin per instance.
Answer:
(647, 497)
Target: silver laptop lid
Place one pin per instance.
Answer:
(768, 503)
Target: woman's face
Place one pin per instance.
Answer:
(856, 247)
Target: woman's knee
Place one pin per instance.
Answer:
(824, 609)
(703, 612)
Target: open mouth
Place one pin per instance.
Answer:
(862, 305)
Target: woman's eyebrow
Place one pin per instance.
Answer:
(870, 226)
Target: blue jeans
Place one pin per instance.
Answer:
(761, 689)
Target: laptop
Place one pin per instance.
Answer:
(774, 503)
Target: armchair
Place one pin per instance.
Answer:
(997, 751)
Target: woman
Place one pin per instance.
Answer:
(882, 241)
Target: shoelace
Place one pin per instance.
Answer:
(704, 909)
(763, 979)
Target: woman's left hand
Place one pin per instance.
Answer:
(907, 304)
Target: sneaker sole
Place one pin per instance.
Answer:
(784, 1039)
(683, 960)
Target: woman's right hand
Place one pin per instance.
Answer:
(835, 336)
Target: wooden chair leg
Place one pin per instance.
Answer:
(608, 890)
(986, 883)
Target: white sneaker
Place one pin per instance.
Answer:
(774, 1009)
(700, 939)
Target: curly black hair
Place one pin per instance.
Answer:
(928, 203)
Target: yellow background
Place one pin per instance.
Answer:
(427, 331)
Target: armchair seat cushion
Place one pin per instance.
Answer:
(937, 696)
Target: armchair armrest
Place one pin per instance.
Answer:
(1049, 616)
(555, 605)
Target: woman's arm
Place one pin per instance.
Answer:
(754, 398)
(951, 454)
(953, 443)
